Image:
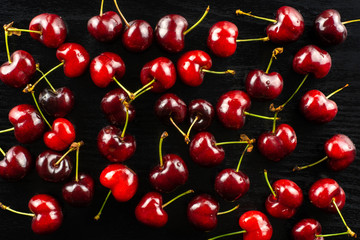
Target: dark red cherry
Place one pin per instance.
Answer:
(340, 151)
(19, 72)
(264, 86)
(27, 122)
(52, 27)
(105, 27)
(79, 192)
(61, 135)
(203, 112)
(329, 28)
(222, 39)
(16, 163)
(307, 229)
(275, 146)
(169, 106)
(202, 212)
(138, 36)
(49, 169)
(114, 147)
(75, 58)
(57, 104)
(231, 184)
(312, 59)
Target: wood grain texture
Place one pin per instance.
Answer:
(118, 220)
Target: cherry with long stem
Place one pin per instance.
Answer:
(139, 92)
(198, 22)
(97, 217)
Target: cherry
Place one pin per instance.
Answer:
(52, 27)
(170, 109)
(285, 198)
(201, 114)
(340, 153)
(53, 167)
(105, 68)
(317, 107)
(193, 65)
(232, 109)
(19, 69)
(79, 192)
(74, 57)
(105, 27)
(288, 26)
(264, 85)
(255, 225)
(114, 110)
(222, 39)
(277, 144)
(171, 30)
(57, 103)
(170, 173)
(149, 210)
(61, 135)
(16, 163)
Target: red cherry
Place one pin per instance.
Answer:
(61, 135)
(137, 36)
(16, 163)
(105, 27)
(222, 39)
(74, 57)
(201, 114)
(170, 108)
(53, 166)
(202, 212)
(19, 71)
(79, 192)
(278, 144)
(57, 104)
(105, 67)
(52, 27)
(307, 229)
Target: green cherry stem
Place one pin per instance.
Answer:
(163, 136)
(336, 91)
(275, 52)
(101, 8)
(260, 116)
(7, 45)
(7, 130)
(297, 168)
(229, 71)
(2, 152)
(47, 80)
(230, 142)
(268, 183)
(126, 121)
(77, 165)
(198, 22)
(239, 12)
(122, 16)
(349, 231)
(187, 139)
(74, 146)
(38, 108)
(297, 89)
(351, 21)
(274, 122)
(178, 196)
(228, 211)
(177, 127)
(97, 217)
(2, 206)
(141, 93)
(17, 30)
(242, 156)
(228, 234)
(332, 234)
(130, 94)
(264, 39)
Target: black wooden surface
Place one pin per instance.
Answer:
(118, 221)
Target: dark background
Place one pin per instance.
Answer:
(118, 221)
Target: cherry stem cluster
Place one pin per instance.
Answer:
(187, 136)
(2, 206)
(177, 127)
(297, 168)
(74, 146)
(122, 16)
(239, 12)
(139, 92)
(178, 196)
(275, 52)
(228, 234)
(97, 217)
(198, 22)
(163, 136)
(268, 183)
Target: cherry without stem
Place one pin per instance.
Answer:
(16, 163)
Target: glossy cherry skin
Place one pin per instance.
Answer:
(172, 174)
(162, 70)
(16, 163)
(256, 225)
(121, 180)
(340, 151)
(27, 122)
(323, 191)
(190, 66)
(289, 198)
(276, 146)
(317, 108)
(53, 29)
(106, 27)
(75, 57)
(48, 214)
(312, 59)
(307, 229)
(170, 105)
(113, 147)
(230, 108)
(61, 135)
(57, 104)
(169, 32)
(149, 210)
(202, 212)
(79, 193)
(138, 36)
(105, 67)
(263, 86)
(204, 111)
(114, 109)
(231, 184)
(289, 26)
(19, 72)
(329, 28)
(47, 170)
(222, 39)
(203, 150)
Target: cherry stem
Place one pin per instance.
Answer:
(260, 116)
(2, 152)
(268, 183)
(122, 16)
(2, 206)
(239, 12)
(144, 88)
(12, 29)
(231, 142)
(7, 130)
(47, 80)
(126, 121)
(351, 21)
(178, 196)
(228, 211)
(229, 71)
(336, 91)
(74, 146)
(163, 136)
(141, 93)
(187, 139)
(177, 127)
(7, 45)
(38, 107)
(101, 8)
(275, 52)
(242, 156)
(349, 231)
(97, 217)
(77, 165)
(228, 234)
(264, 39)
(198, 22)
(298, 88)
(297, 168)
(332, 234)
(130, 94)
(274, 123)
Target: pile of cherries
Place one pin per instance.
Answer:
(158, 76)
